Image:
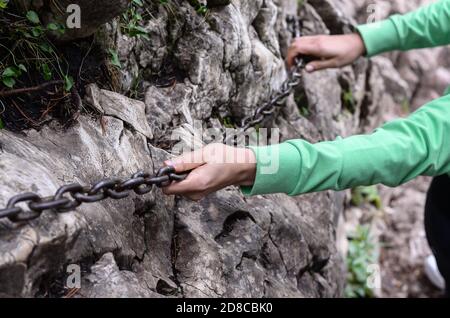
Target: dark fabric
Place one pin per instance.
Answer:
(437, 224)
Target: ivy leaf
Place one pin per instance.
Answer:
(9, 82)
(33, 17)
(10, 72)
(53, 27)
(56, 27)
(68, 83)
(36, 31)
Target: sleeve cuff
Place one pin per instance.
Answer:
(379, 37)
(277, 170)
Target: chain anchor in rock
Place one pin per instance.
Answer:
(69, 197)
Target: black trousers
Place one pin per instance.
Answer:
(437, 224)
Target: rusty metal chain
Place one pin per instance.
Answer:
(115, 188)
(278, 99)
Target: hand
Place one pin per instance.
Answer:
(214, 167)
(331, 51)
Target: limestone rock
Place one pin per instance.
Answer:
(193, 67)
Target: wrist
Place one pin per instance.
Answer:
(359, 45)
(246, 172)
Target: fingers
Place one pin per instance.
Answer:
(308, 45)
(187, 161)
(322, 64)
(196, 182)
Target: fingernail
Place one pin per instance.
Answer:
(309, 68)
(169, 163)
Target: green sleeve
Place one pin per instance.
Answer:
(393, 154)
(428, 26)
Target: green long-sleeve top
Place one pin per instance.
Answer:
(394, 153)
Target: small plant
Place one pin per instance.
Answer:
(199, 7)
(304, 111)
(348, 101)
(3, 4)
(26, 49)
(361, 254)
(11, 74)
(131, 21)
(302, 104)
(228, 122)
(114, 58)
(370, 195)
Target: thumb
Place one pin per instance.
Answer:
(187, 161)
(321, 65)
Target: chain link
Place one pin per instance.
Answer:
(70, 196)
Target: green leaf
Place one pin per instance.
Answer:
(22, 67)
(46, 72)
(37, 31)
(11, 72)
(9, 82)
(3, 4)
(68, 83)
(115, 58)
(138, 3)
(46, 47)
(53, 27)
(33, 17)
(1, 124)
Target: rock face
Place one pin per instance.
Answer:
(219, 65)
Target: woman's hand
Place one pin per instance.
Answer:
(214, 167)
(331, 51)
